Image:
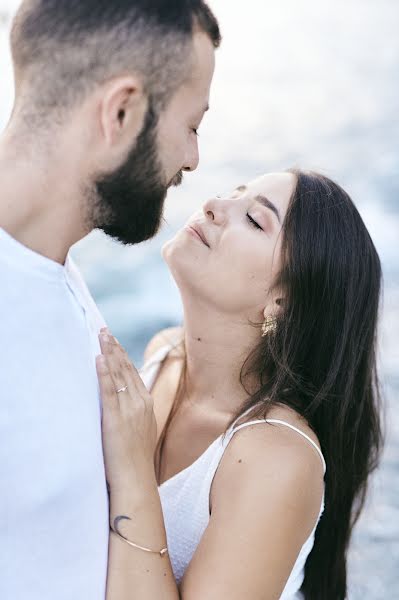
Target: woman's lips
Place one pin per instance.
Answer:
(196, 231)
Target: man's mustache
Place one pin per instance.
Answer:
(176, 180)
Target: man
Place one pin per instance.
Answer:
(109, 96)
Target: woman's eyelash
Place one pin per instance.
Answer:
(196, 132)
(253, 222)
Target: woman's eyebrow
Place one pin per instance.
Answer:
(266, 202)
(263, 200)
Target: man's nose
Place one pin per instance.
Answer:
(192, 157)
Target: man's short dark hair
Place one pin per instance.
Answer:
(62, 49)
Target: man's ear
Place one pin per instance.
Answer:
(122, 110)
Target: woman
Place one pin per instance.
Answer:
(242, 474)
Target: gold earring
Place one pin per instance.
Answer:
(269, 325)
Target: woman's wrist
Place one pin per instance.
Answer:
(133, 482)
(135, 492)
(141, 507)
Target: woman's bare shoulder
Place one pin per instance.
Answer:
(287, 414)
(272, 453)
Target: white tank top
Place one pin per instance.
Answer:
(185, 496)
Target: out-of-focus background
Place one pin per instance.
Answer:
(310, 83)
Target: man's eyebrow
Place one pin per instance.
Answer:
(266, 202)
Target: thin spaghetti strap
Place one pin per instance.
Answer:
(279, 422)
(240, 417)
(304, 435)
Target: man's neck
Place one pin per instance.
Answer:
(39, 205)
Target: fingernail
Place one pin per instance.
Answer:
(105, 337)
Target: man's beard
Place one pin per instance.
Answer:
(128, 203)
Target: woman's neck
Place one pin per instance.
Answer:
(217, 346)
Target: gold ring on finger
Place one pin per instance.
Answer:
(122, 389)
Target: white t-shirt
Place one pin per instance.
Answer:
(53, 499)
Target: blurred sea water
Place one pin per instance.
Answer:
(304, 83)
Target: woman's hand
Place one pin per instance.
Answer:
(128, 426)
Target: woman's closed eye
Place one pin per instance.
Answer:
(253, 222)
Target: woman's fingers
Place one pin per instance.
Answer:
(139, 383)
(130, 430)
(118, 366)
(123, 374)
(107, 388)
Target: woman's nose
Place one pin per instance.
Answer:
(214, 209)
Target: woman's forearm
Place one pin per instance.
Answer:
(133, 573)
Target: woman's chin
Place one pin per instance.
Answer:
(172, 257)
(177, 249)
(171, 246)
(165, 250)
